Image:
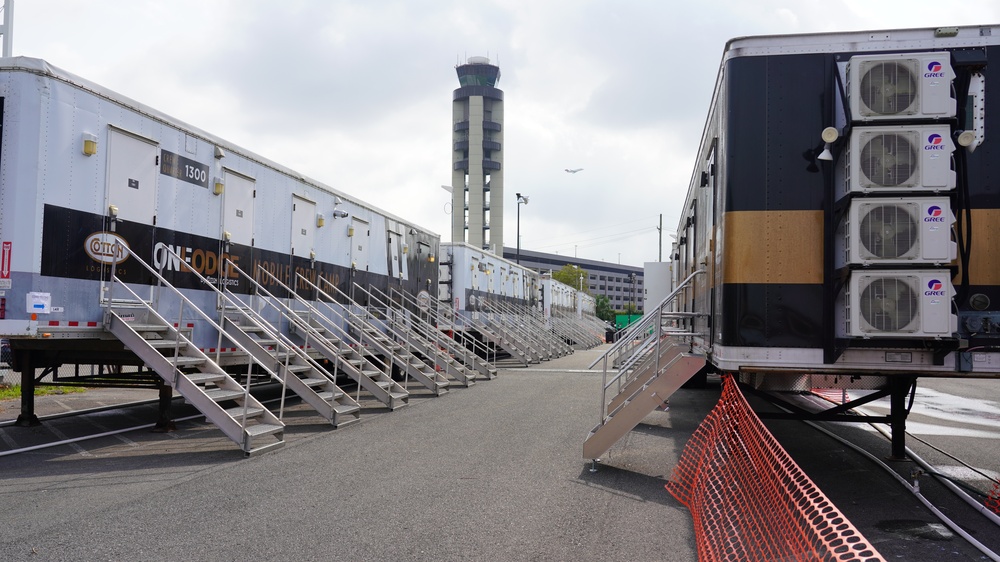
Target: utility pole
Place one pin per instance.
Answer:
(660, 230)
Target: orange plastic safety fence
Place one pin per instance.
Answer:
(748, 498)
(993, 499)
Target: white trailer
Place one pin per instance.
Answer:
(505, 305)
(469, 274)
(94, 185)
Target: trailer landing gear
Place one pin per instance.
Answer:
(27, 417)
(164, 424)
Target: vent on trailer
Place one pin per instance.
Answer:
(904, 158)
(901, 86)
(900, 304)
(897, 231)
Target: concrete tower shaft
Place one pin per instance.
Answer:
(477, 156)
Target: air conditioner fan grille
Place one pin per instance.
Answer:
(888, 88)
(888, 159)
(888, 304)
(888, 231)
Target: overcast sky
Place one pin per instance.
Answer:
(357, 94)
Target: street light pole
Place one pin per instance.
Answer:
(632, 278)
(520, 199)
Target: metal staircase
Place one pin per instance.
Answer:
(200, 380)
(423, 319)
(346, 353)
(246, 326)
(445, 317)
(297, 370)
(533, 338)
(651, 395)
(654, 359)
(531, 325)
(499, 339)
(509, 334)
(577, 329)
(400, 324)
(402, 355)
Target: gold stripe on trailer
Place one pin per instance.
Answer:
(984, 262)
(773, 247)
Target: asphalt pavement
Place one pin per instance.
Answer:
(494, 471)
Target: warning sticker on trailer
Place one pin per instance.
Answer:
(5, 265)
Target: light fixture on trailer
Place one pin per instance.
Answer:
(965, 138)
(89, 144)
(829, 135)
(339, 213)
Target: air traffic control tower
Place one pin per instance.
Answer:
(477, 157)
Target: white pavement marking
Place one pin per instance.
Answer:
(119, 436)
(7, 439)
(966, 473)
(62, 436)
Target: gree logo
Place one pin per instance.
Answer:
(934, 70)
(934, 288)
(934, 214)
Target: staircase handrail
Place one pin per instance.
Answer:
(291, 315)
(433, 309)
(641, 327)
(510, 316)
(647, 320)
(351, 315)
(390, 323)
(162, 282)
(468, 356)
(512, 330)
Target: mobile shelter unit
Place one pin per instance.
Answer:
(838, 228)
(105, 202)
(842, 209)
(470, 275)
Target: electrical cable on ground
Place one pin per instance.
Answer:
(915, 490)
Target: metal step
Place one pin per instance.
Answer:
(222, 394)
(260, 429)
(265, 448)
(163, 344)
(203, 378)
(237, 412)
(330, 396)
(140, 328)
(183, 361)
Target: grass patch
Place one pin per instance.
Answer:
(11, 391)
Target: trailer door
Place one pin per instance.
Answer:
(237, 208)
(133, 166)
(359, 244)
(303, 227)
(395, 255)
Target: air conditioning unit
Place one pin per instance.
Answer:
(899, 304)
(900, 158)
(901, 86)
(899, 230)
